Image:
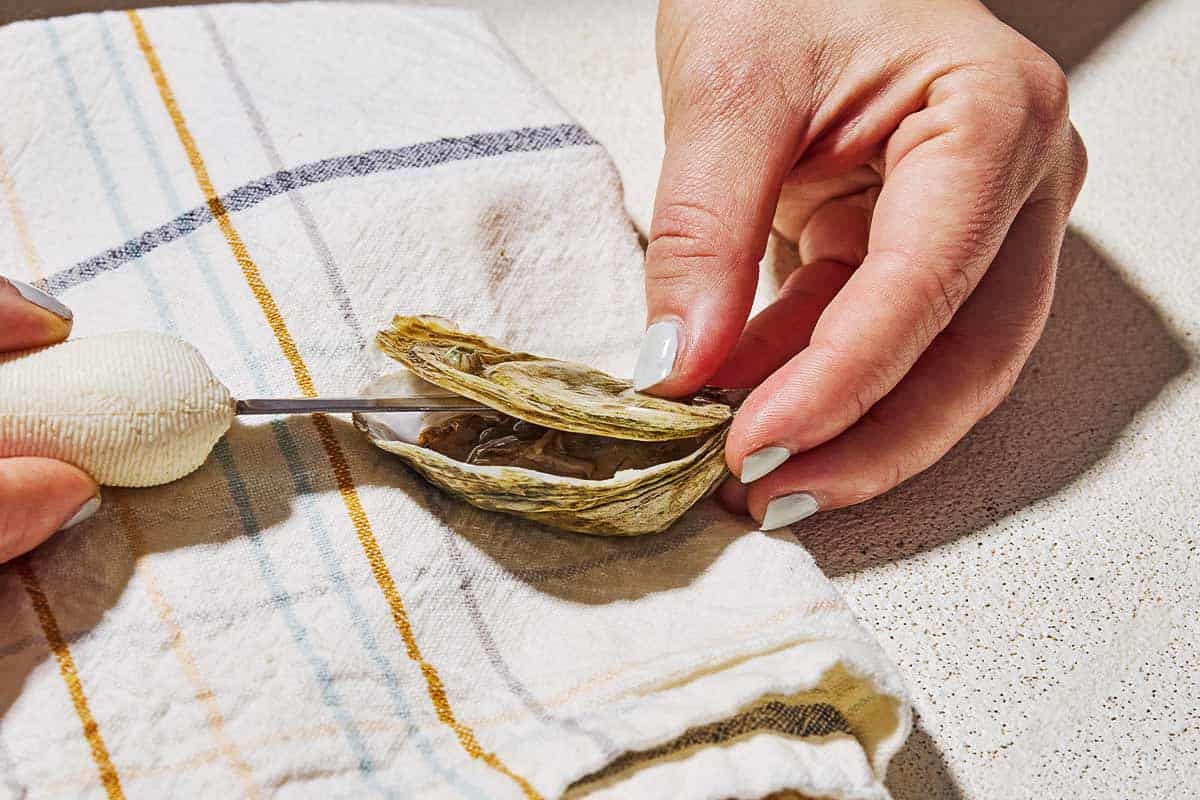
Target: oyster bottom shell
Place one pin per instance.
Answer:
(631, 503)
(553, 394)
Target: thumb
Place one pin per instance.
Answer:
(39, 496)
(720, 182)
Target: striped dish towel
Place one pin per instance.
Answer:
(303, 617)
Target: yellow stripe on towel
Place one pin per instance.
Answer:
(337, 459)
(70, 675)
(19, 222)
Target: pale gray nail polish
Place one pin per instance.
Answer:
(788, 509)
(85, 512)
(763, 462)
(660, 345)
(41, 299)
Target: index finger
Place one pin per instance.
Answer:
(30, 317)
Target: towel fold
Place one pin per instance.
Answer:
(302, 616)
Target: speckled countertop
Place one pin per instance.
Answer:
(1040, 586)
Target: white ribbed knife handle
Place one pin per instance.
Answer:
(130, 409)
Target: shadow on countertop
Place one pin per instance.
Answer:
(920, 772)
(1069, 30)
(1105, 355)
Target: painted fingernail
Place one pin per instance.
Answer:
(85, 512)
(660, 345)
(41, 299)
(788, 509)
(763, 462)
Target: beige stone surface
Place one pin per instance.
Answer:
(1039, 587)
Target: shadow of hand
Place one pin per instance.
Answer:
(1105, 354)
(1067, 29)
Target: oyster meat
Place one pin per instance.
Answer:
(564, 445)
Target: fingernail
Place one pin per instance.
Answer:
(85, 511)
(41, 299)
(763, 462)
(788, 509)
(660, 344)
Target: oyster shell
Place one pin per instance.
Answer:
(566, 445)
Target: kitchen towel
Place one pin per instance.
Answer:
(303, 617)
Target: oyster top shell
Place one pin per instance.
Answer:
(548, 392)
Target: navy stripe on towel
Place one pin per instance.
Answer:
(415, 156)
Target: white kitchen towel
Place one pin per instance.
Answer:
(303, 617)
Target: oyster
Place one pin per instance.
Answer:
(564, 445)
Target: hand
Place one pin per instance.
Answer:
(921, 156)
(38, 496)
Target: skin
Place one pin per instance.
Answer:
(37, 495)
(919, 153)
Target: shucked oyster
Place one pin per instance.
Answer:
(565, 445)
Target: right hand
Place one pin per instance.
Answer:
(38, 496)
(920, 155)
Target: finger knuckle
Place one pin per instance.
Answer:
(872, 379)
(946, 289)
(1035, 89)
(983, 118)
(951, 121)
(677, 276)
(863, 397)
(1066, 176)
(942, 282)
(683, 230)
(1013, 101)
(873, 483)
(688, 221)
(1046, 88)
(690, 245)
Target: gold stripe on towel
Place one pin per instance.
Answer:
(70, 675)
